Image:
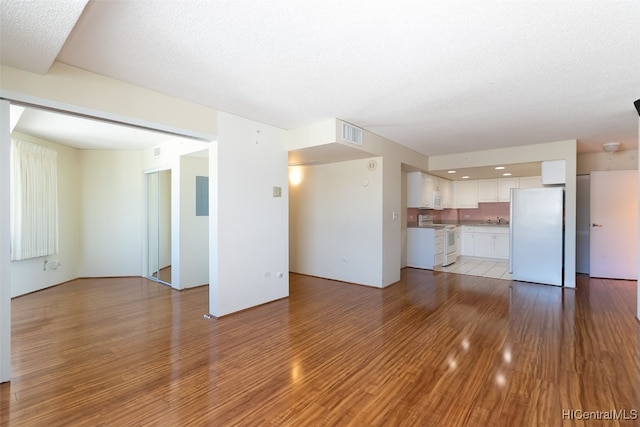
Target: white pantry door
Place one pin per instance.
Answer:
(614, 225)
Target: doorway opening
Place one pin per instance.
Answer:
(159, 259)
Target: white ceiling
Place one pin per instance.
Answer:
(436, 76)
(87, 134)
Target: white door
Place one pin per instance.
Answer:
(614, 225)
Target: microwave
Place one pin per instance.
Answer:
(437, 201)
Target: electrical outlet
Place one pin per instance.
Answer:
(267, 274)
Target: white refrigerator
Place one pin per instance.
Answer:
(537, 235)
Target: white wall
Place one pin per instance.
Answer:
(248, 226)
(194, 230)
(621, 160)
(312, 135)
(73, 89)
(403, 225)
(394, 157)
(166, 197)
(336, 221)
(29, 275)
(111, 226)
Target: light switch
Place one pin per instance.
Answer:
(277, 191)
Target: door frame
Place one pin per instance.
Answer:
(583, 245)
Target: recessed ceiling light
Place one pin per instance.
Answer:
(506, 174)
(465, 177)
(499, 168)
(451, 171)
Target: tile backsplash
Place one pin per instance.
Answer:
(484, 212)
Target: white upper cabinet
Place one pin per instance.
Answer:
(446, 188)
(487, 190)
(465, 194)
(553, 172)
(419, 190)
(504, 188)
(437, 182)
(530, 182)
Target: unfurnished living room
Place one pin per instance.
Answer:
(319, 213)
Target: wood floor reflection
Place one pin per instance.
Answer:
(435, 349)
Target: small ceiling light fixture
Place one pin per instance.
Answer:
(465, 177)
(506, 174)
(499, 168)
(451, 171)
(611, 147)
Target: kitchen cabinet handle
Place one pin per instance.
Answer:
(596, 225)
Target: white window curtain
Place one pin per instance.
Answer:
(34, 201)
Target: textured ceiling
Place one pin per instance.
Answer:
(439, 77)
(32, 33)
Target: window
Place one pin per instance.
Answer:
(34, 201)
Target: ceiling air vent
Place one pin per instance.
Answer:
(351, 134)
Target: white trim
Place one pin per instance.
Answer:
(5, 248)
(91, 113)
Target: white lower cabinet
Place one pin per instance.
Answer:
(425, 247)
(492, 242)
(467, 241)
(485, 241)
(485, 245)
(502, 246)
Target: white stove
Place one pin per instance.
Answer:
(449, 241)
(449, 245)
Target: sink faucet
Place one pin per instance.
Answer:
(499, 220)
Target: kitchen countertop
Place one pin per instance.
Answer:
(459, 223)
(490, 224)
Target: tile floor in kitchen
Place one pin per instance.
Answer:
(485, 267)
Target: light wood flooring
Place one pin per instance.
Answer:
(435, 349)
